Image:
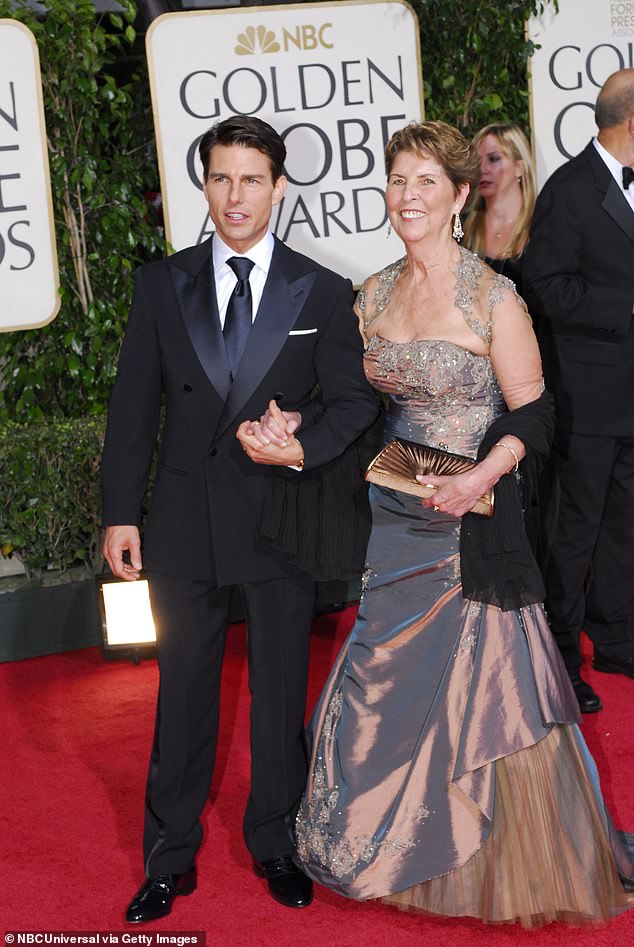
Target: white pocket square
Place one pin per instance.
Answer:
(302, 331)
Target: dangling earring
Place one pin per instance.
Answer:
(389, 230)
(457, 233)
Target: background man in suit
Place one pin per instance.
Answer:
(215, 333)
(579, 272)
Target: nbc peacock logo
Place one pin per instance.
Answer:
(256, 38)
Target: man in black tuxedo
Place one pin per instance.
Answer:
(579, 277)
(216, 333)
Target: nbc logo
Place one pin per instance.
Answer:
(260, 39)
(255, 37)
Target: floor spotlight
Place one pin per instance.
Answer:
(126, 618)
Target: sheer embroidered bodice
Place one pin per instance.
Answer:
(440, 394)
(473, 280)
(445, 757)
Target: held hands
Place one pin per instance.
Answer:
(120, 539)
(271, 440)
(275, 426)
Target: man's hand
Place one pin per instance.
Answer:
(289, 455)
(120, 539)
(275, 426)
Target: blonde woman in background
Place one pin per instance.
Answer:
(501, 213)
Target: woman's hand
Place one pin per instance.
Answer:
(457, 493)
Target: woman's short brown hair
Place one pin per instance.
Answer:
(446, 144)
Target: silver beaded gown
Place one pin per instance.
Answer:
(448, 773)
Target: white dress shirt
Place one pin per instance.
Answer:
(616, 170)
(226, 279)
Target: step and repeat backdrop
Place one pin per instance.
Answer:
(29, 283)
(581, 45)
(336, 79)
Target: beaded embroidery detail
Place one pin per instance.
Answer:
(465, 393)
(316, 841)
(386, 277)
(469, 274)
(461, 384)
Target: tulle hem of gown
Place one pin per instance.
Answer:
(531, 869)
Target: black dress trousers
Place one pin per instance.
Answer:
(191, 618)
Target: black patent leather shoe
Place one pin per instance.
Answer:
(156, 895)
(588, 699)
(610, 664)
(287, 883)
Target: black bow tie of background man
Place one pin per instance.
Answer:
(628, 177)
(238, 319)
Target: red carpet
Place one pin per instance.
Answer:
(75, 746)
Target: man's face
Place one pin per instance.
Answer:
(241, 194)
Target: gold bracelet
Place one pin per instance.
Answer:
(511, 451)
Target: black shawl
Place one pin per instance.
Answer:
(496, 562)
(319, 520)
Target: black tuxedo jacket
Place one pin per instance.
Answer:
(202, 521)
(579, 280)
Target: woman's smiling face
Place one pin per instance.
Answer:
(421, 200)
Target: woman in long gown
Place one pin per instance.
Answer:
(447, 771)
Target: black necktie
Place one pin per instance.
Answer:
(628, 177)
(239, 312)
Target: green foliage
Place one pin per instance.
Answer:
(49, 518)
(102, 164)
(475, 56)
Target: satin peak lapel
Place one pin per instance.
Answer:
(193, 281)
(614, 202)
(617, 206)
(279, 308)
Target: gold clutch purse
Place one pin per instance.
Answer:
(398, 463)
